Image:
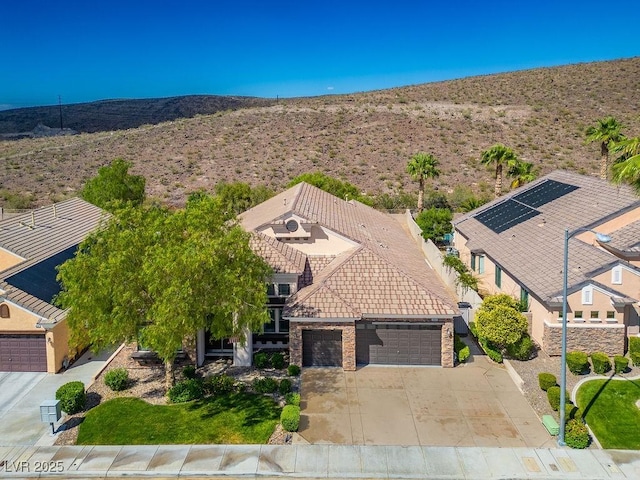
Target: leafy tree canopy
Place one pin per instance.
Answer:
(435, 223)
(113, 186)
(339, 188)
(499, 320)
(164, 275)
(237, 197)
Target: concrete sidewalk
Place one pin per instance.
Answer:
(317, 461)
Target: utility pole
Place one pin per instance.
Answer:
(60, 109)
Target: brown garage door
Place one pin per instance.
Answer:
(398, 344)
(23, 353)
(322, 348)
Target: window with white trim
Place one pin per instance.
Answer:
(611, 316)
(481, 264)
(616, 275)
(594, 316)
(587, 295)
(577, 316)
(498, 277)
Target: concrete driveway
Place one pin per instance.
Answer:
(21, 394)
(475, 404)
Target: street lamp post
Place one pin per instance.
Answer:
(602, 238)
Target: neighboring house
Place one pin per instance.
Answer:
(515, 245)
(33, 333)
(350, 287)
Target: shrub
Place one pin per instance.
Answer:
(601, 362)
(578, 362)
(285, 386)
(265, 385)
(186, 391)
(547, 380)
(491, 350)
(461, 349)
(261, 360)
(464, 354)
(290, 418)
(292, 399)
(553, 395)
(72, 397)
(521, 350)
(219, 384)
(571, 411)
(277, 361)
(117, 379)
(293, 370)
(189, 371)
(621, 363)
(635, 358)
(576, 434)
(473, 329)
(634, 344)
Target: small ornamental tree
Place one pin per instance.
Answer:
(435, 223)
(499, 321)
(114, 186)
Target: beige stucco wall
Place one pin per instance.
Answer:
(8, 259)
(322, 242)
(19, 321)
(57, 346)
(630, 285)
(611, 226)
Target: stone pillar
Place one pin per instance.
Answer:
(295, 344)
(243, 353)
(349, 348)
(447, 344)
(189, 348)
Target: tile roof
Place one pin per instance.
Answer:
(386, 274)
(627, 238)
(280, 256)
(41, 234)
(533, 250)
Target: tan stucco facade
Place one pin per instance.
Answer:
(57, 339)
(322, 241)
(8, 259)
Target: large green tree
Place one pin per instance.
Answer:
(339, 188)
(113, 186)
(498, 156)
(160, 276)
(520, 173)
(607, 131)
(627, 167)
(237, 197)
(435, 223)
(500, 321)
(422, 166)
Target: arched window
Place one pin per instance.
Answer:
(4, 311)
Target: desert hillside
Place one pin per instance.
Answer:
(365, 138)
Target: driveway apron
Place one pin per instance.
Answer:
(474, 404)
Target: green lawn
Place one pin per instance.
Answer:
(611, 412)
(235, 419)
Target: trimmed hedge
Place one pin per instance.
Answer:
(292, 399)
(285, 386)
(634, 344)
(277, 361)
(621, 363)
(186, 391)
(265, 385)
(521, 350)
(578, 362)
(635, 358)
(293, 370)
(290, 418)
(72, 397)
(572, 411)
(576, 434)
(261, 360)
(117, 379)
(553, 395)
(547, 380)
(601, 362)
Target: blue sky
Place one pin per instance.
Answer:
(91, 50)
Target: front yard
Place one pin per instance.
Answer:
(611, 411)
(239, 418)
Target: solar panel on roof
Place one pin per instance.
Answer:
(39, 280)
(505, 215)
(544, 192)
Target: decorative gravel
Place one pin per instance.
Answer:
(147, 383)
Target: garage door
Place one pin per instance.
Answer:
(23, 353)
(322, 348)
(398, 344)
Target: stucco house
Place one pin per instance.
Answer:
(515, 245)
(33, 332)
(349, 287)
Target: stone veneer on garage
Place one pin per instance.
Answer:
(609, 339)
(349, 342)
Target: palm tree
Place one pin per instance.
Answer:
(627, 167)
(521, 173)
(606, 131)
(422, 166)
(499, 155)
